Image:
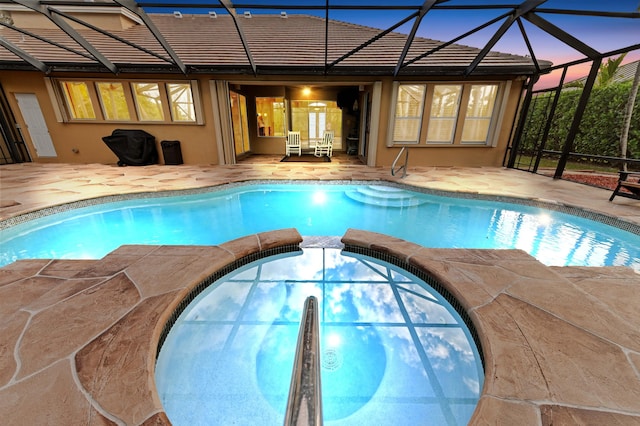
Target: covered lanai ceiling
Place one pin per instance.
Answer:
(320, 37)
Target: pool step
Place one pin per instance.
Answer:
(385, 196)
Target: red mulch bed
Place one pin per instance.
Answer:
(600, 181)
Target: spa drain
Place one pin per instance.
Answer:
(331, 360)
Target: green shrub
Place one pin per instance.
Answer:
(600, 128)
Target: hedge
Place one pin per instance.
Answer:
(600, 128)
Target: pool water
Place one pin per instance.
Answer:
(321, 209)
(393, 350)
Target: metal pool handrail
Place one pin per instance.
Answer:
(403, 167)
(304, 406)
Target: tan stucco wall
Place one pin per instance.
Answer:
(106, 18)
(198, 144)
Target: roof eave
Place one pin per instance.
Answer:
(282, 70)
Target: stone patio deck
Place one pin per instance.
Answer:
(78, 338)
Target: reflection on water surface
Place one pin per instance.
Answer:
(325, 209)
(393, 351)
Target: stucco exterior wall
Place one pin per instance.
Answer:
(107, 18)
(77, 142)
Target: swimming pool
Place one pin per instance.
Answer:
(393, 350)
(215, 216)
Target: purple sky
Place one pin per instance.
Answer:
(603, 34)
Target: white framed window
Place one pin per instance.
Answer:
(149, 101)
(480, 110)
(446, 113)
(127, 101)
(409, 108)
(443, 114)
(181, 102)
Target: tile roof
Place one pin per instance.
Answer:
(623, 74)
(626, 72)
(277, 45)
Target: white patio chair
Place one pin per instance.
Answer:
(293, 143)
(325, 146)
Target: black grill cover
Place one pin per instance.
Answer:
(133, 147)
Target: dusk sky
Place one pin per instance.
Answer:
(604, 34)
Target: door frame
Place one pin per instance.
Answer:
(36, 125)
(12, 141)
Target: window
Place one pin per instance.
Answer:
(114, 102)
(76, 95)
(271, 117)
(148, 101)
(409, 110)
(128, 101)
(480, 107)
(444, 114)
(181, 101)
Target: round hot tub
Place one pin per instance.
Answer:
(393, 350)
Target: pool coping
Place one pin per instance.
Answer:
(550, 335)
